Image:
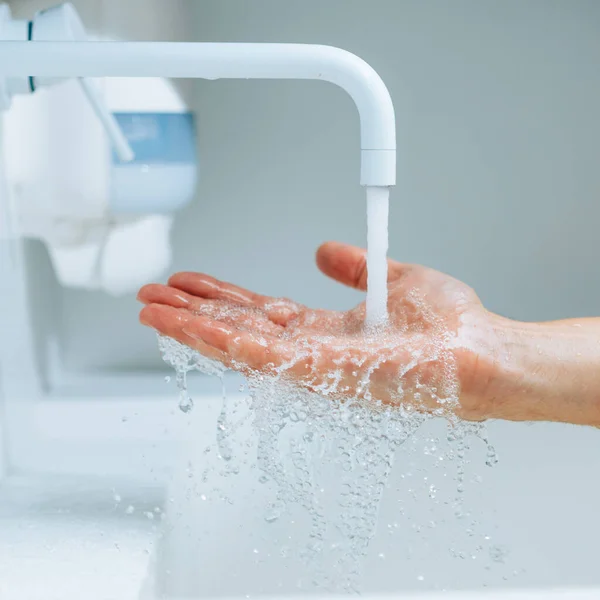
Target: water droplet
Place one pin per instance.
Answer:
(167, 379)
(498, 553)
(130, 510)
(272, 515)
(421, 578)
(185, 402)
(381, 555)
(491, 457)
(255, 551)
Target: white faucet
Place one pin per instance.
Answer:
(37, 60)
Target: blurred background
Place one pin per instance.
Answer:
(496, 108)
(498, 185)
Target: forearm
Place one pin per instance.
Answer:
(546, 372)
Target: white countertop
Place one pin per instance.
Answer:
(63, 539)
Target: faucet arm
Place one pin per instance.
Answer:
(227, 61)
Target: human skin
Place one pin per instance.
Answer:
(440, 351)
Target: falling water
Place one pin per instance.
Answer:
(358, 439)
(377, 246)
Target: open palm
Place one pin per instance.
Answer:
(424, 358)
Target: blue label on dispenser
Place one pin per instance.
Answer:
(159, 138)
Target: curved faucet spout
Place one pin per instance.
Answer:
(227, 61)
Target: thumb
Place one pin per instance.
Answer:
(348, 264)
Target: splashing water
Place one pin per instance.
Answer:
(377, 247)
(223, 426)
(184, 359)
(358, 438)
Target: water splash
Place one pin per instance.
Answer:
(359, 437)
(223, 426)
(185, 359)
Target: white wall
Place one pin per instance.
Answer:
(497, 108)
(19, 381)
(134, 19)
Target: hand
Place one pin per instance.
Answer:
(432, 356)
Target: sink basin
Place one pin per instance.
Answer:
(65, 538)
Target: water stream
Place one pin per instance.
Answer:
(377, 247)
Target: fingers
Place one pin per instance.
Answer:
(156, 293)
(243, 317)
(348, 265)
(240, 349)
(279, 310)
(244, 349)
(204, 286)
(236, 348)
(173, 322)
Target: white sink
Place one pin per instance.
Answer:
(566, 594)
(68, 539)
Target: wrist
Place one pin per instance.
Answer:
(538, 371)
(483, 372)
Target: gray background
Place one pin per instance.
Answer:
(498, 183)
